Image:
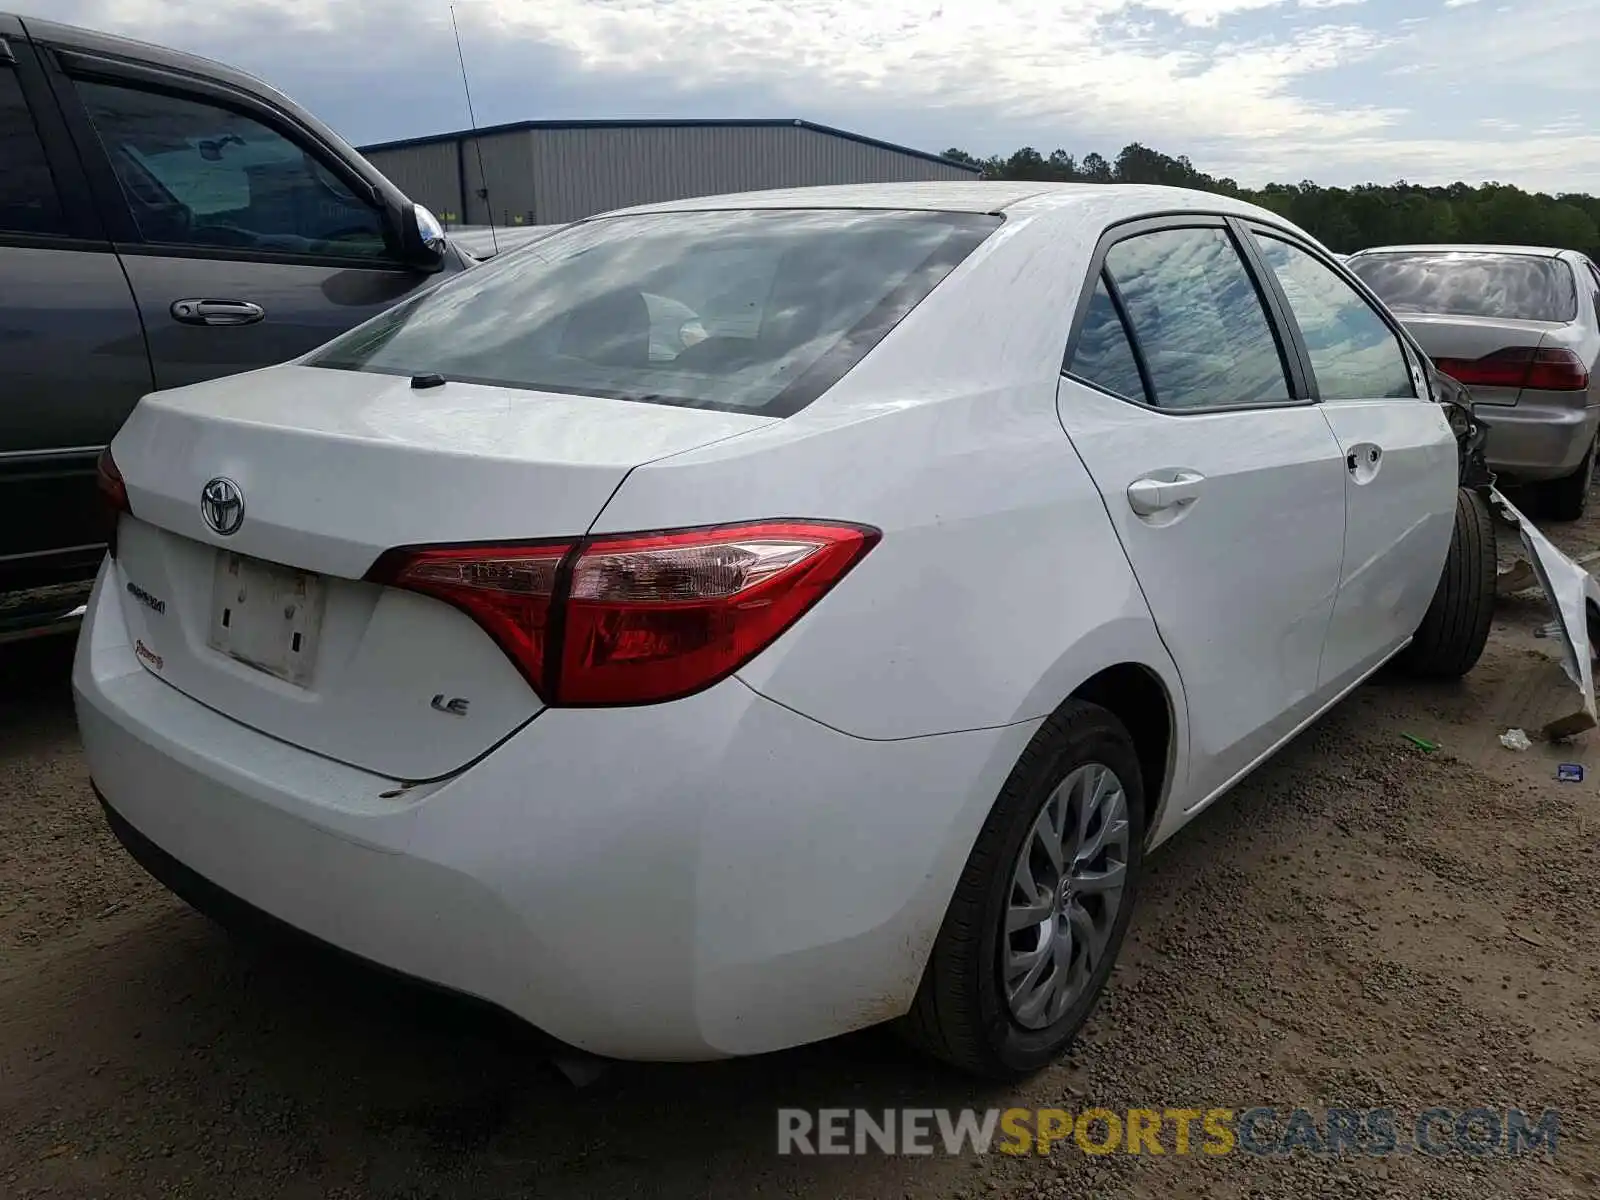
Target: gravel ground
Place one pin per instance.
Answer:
(1360, 924)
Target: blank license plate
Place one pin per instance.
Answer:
(267, 616)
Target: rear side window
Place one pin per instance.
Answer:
(1198, 320)
(748, 311)
(1354, 354)
(1471, 283)
(1103, 355)
(28, 199)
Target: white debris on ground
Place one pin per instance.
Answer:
(1516, 739)
(1574, 598)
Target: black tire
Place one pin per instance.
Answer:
(1567, 498)
(960, 1013)
(1455, 628)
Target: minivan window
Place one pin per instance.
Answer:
(750, 311)
(1471, 283)
(28, 199)
(198, 174)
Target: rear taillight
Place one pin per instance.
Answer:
(1551, 369)
(113, 497)
(509, 590)
(637, 618)
(1556, 370)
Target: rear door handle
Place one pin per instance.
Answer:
(1363, 455)
(1363, 460)
(1148, 496)
(217, 312)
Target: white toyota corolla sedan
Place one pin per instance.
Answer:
(835, 659)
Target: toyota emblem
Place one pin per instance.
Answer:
(222, 505)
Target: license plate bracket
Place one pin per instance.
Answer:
(266, 616)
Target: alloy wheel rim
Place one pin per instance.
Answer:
(1067, 886)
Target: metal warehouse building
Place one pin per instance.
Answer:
(550, 172)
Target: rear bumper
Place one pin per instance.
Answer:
(712, 877)
(1536, 440)
(229, 909)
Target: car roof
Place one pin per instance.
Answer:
(970, 196)
(1466, 248)
(94, 42)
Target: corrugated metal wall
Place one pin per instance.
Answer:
(545, 176)
(578, 172)
(428, 174)
(509, 172)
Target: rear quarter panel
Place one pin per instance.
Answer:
(999, 585)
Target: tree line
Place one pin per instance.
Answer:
(1344, 219)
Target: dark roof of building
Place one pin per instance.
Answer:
(519, 126)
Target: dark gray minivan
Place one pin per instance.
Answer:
(164, 219)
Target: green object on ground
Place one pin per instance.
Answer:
(1421, 743)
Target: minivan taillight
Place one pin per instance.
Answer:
(636, 618)
(113, 497)
(1550, 369)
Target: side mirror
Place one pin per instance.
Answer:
(423, 238)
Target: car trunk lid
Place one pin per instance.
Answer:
(1485, 353)
(273, 625)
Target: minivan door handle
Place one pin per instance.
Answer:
(217, 312)
(1149, 495)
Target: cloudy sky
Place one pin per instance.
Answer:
(1340, 91)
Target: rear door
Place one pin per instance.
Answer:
(1221, 477)
(1590, 287)
(246, 244)
(73, 354)
(1401, 468)
(1587, 341)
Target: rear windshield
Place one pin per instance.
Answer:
(1521, 287)
(748, 311)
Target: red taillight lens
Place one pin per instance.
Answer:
(113, 497)
(637, 619)
(509, 590)
(1551, 369)
(654, 618)
(1556, 370)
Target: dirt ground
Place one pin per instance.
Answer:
(1362, 923)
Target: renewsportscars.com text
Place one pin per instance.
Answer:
(1266, 1132)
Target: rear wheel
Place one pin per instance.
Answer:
(1567, 498)
(1455, 628)
(1043, 905)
